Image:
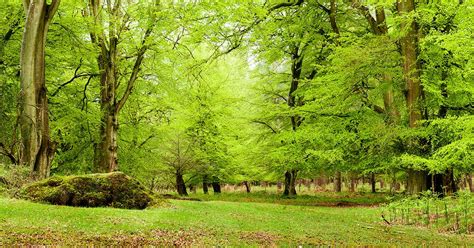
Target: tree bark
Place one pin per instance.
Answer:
(205, 185)
(37, 149)
(417, 181)
(216, 187)
(469, 181)
(338, 182)
(180, 185)
(247, 186)
(373, 182)
(353, 184)
(290, 183)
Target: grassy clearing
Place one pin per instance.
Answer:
(207, 223)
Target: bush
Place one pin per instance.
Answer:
(94, 190)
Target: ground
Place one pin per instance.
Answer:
(216, 221)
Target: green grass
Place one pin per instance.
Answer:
(207, 223)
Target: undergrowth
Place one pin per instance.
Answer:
(446, 214)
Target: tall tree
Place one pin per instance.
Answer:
(417, 180)
(37, 148)
(110, 22)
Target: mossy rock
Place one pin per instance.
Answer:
(94, 190)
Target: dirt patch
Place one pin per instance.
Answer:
(180, 238)
(262, 238)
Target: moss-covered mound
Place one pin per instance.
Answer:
(95, 190)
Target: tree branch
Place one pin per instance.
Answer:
(9, 154)
(84, 99)
(265, 124)
(285, 4)
(135, 70)
(51, 9)
(74, 78)
(366, 13)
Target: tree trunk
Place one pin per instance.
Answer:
(108, 160)
(373, 182)
(216, 187)
(417, 180)
(37, 150)
(180, 185)
(290, 183)
(205, 185)
(353, 184)
(469, 181)
(338, 182)
(247, 186)
(449, 182)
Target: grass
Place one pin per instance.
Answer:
(210, 223)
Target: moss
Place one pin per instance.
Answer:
(94, 190)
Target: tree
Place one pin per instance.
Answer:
(109, 25)
(37, 148)
(417, 180)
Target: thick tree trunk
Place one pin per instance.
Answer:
(450, 182)
(107, 61)
(216, 187)
(290, 183)
(180, 185)
(37, 150)
(411, 65)
(417, 180)
(338, 182)
(108, 160)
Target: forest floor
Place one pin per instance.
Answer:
(215, 221)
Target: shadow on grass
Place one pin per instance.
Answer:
(329, 199)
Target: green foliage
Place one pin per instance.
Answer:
(220, 78)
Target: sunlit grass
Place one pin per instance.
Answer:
(208, 223)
